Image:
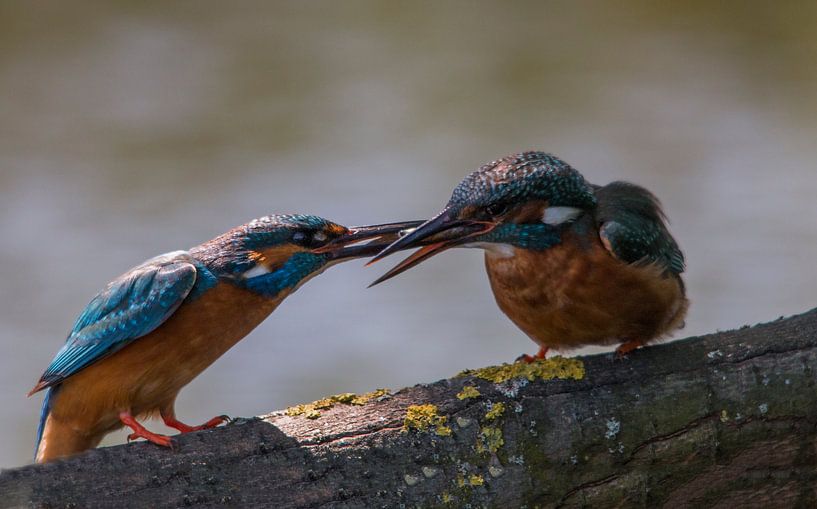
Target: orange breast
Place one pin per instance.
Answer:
(148, 373)
(577, 294)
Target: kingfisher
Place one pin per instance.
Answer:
(152, 330)
(569, 262)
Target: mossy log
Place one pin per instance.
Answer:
(728, 419)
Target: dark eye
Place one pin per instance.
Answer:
(496, 209)
(309, 239)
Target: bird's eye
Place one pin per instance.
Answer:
(496, 209)
(299, 237)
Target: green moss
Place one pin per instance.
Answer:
(424, 417)
(467, 392)
(312, 410)
(542, 369)
(496, 411)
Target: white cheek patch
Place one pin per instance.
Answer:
(259, 270)
(559, 215)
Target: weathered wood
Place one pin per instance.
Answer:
(728, 419)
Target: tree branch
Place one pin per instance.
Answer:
(719, 420)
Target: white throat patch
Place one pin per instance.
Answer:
(559, 215)
(495, 249)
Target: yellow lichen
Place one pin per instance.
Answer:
(495, 412)
(472, 480)
(447, 499)
(542, 369)
(489, 440)
(443, 431)
(467, 392)
(423, 417)
(365, 398)
(311, 410)
(295, 410)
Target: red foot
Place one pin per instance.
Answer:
(543, 350)
(171, 422)
(625, 348)
(139, 431)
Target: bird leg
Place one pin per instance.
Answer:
(543, 350)
(627, 347)
(139, 431)
(169, 418)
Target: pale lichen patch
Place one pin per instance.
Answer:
(430, 472)
(541, 369)
(464, 422)
(613, 427)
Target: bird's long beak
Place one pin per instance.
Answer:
(435, 235)
(360, 241)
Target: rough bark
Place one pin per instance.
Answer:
(727, 419)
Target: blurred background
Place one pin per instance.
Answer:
(129, 129)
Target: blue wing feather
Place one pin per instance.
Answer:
(633, 226)
(130, 307)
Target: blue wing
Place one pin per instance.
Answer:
(633, 227)
(646, 243)
(130, 307)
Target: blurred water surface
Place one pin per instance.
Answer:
(128, 129)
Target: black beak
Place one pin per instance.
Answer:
(361, 241)
(436, 235)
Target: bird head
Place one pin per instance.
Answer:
(280, 252)
(520, 200)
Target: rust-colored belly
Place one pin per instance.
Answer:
(570, 295)
(146, 375)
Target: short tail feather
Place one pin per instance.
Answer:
(44, 411)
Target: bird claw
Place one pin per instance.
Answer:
(528, 359)
(214, 422)
(625, 349)
(153, 438)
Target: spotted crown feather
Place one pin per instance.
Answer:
(525, 176)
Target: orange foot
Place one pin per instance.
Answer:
(139, 431)
(171, 422)
(625, 348)
(543, 350)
